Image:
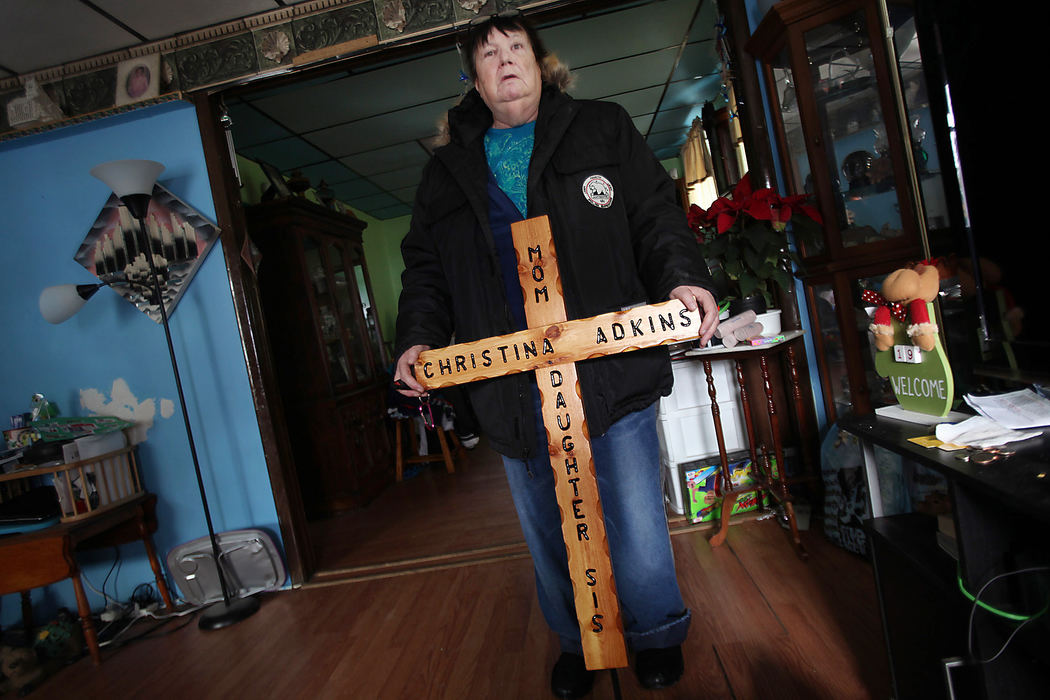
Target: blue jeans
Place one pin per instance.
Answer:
(627, 464)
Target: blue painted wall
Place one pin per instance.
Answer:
(49, 202)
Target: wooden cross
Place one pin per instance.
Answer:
(551, 346)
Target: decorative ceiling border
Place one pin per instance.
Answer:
(272, 43)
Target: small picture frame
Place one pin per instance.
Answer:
(138, 79)
(278, 188)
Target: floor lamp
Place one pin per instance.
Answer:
(132, 181)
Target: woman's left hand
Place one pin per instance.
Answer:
(699, 298)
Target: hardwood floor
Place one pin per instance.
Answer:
(765, 623)
(424, 521)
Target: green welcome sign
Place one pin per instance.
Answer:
(922, 380)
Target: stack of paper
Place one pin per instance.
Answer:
(1017, 409)
(1002, 418)
(980, 432)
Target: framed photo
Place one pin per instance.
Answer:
(278, 185)
(138, 79)
(179, 237)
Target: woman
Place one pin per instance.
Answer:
(519, 146)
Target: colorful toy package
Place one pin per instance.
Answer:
(703, 492)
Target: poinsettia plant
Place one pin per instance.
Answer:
(746, 232)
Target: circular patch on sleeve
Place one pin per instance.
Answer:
(598, 191)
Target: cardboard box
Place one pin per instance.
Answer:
(702, 492)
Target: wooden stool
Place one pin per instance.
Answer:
(446, 456)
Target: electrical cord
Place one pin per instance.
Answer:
(161, 621)
(143, 595)
(106, 598)
(140, 613)
(1014, 617)
(996, 611)
(116, 565)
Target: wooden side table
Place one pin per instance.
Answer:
(764, 478)
(42, 557)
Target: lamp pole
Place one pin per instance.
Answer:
(137, 199)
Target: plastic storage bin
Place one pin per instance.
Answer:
(685, 426)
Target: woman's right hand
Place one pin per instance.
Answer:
(403, 372)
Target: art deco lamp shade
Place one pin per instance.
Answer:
(62, 301)
(131, 180)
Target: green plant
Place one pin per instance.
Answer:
(747, 233)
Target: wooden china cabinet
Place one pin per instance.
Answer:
(329, 356)
(850, 116)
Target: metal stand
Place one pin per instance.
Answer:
(228, 612)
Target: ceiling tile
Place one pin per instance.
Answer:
(666, 144)
(359, 96)
(633, 73)
(286, 154)
(638, 102)
(156, 20)
(375, 201)
(679, 119)
(706, 25)
(397, 179)
(355, 189)
(684, 93)
(39, 35)
(252, 127)
(698, 59)
(603, 38)
(390, 158)
(417, 122)
(406, 194)
(331, 171)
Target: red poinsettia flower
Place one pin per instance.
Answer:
(744, 232)
(696, 216)
(799, 202)
(762, 205)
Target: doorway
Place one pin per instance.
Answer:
(357, 124)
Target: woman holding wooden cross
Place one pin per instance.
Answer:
(520, 147)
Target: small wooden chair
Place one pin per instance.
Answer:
(447, 455)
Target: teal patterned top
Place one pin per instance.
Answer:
(508, 152)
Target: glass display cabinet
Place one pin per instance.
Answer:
(848, 109)
(329, 356)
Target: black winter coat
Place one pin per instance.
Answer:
(633, 251)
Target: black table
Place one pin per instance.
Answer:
(1001, 517)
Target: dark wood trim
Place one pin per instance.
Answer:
(254, 342)
(821, 352)
(749, 97)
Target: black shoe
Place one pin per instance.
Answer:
(659, 668)
(570, 677)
